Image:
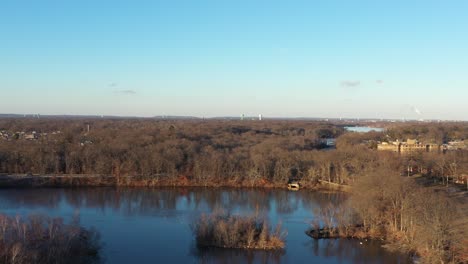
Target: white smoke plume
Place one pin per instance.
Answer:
(416, 110)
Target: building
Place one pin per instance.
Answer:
(410, 146)
(455, 145)
(32, 136)
(393, 146)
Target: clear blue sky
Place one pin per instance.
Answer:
(385, 59)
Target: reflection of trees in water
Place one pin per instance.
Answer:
(286, 202)
(49, 198)
(99, 198)
(130, 201)
(231, 199)
(352, 250)
(218, 255)
(151, 201)
(313, 200)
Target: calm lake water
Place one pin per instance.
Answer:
(363, 129)
(153, 225)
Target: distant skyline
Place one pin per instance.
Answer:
(329, 59)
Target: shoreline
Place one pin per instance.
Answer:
(390, 241)
(77, 180)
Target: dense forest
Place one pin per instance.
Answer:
(405, 198)
(217, 152)
(201, 152)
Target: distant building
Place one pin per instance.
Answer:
(32, 136)
(411, 145)
(393, 146)
(455, 145)
(330, 142)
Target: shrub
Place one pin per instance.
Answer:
(40, 239)
(231, 231)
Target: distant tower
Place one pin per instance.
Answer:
(242, 117)
(260, 117)
(87, 126)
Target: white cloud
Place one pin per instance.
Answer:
(125, 92)
(348, 83)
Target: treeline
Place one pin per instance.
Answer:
(436, 132)
(215, 152)
(198, 151)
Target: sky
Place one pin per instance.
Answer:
(367, 59)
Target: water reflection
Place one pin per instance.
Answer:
(227, 256)
(140, 225)
(352, 250)
(139, 201)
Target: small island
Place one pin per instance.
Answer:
(224, 230)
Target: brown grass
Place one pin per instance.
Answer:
(40, 239)
(231, 231)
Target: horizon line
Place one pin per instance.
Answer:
(246, 117)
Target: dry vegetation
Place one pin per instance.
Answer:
(213, 153)
(408, 216)
(156, 153)
(231, 231)
(411, 216)
(387, 200)
(40, 239)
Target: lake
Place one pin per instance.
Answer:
(139, 225)
(363, 129)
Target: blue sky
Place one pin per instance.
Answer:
(383, 59)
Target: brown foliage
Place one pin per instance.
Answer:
(412, 216)
(40, 239)
(230, 231)
(205, 152)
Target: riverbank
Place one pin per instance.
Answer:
(38, 181)
(77, 180)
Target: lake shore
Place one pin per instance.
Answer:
(78, 181)
(38, 181)
(133, 220)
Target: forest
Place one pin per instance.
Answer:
(218, 152)
(414, 200)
